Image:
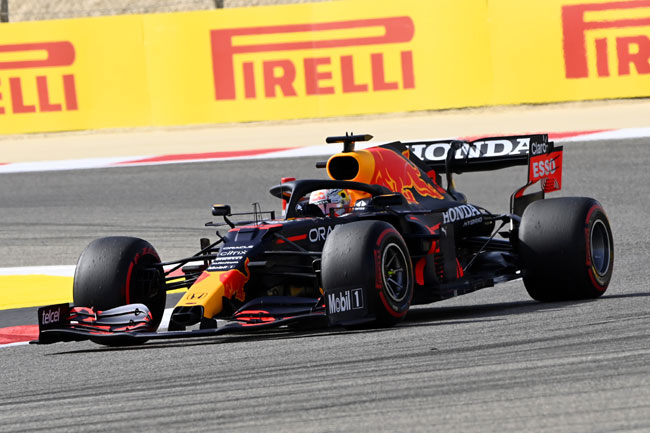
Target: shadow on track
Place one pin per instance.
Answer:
(434, 315)
(490, 312)
(427, 316)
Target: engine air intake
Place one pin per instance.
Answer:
(343, 167)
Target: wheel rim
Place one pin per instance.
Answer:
(395, 273)
(600, 248)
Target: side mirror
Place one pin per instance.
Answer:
(221, 210)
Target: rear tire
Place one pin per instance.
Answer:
(567, 249)
(371, 255)
(117, 271)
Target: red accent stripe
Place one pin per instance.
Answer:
(388, 308)
(383, 234)
(293, 238)
(199, 156)
(459, 270)
(590, 212)
(588, 238)
(596, 284)
(18, 334)
(419, 271)
(261, 227)
(127, 294)
(177, 273)
(557, 135)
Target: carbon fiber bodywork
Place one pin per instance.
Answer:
(265, 271)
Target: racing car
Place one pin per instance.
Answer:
(383, 233)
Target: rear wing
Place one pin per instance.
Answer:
(480, 155)
(543, 158)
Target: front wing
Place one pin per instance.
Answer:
(132, 324)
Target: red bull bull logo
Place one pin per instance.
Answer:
(234, 281)
(211, 287)
(406, 178)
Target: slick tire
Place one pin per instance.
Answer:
(373, 256)
(117, 271)
(567, 249)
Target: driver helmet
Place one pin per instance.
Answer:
(336, 200)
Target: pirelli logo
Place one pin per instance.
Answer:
(606, 39)
(31, 74)
(297, 59)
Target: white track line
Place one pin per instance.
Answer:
(20, 343)
(52, 271)
(94, 163)
(68, 164)
(617, 134)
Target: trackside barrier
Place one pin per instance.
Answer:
(318, 60)
(568, 50)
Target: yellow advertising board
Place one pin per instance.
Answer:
(564, 50)
(282, 62)
(72, 74)
(317, 60)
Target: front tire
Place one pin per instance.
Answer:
(116, 271)
(371, 255)
(567, 249)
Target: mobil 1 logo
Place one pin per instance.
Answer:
(345, 305)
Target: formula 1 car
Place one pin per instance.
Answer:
(360, 248)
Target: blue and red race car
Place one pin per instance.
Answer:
(384, 232)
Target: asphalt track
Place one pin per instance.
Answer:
(489, 361)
